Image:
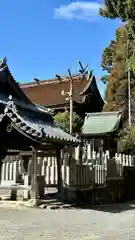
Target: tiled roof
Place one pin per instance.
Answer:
(101, 123)
(34, 127)
(48, 93)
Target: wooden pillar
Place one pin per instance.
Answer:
(7, 164)
(77, 153)
(1, 171)
(15, 171)
(101, 151)
(34, 183)
(59, 170)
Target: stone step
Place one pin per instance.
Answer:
(57, 206)
(49, 201)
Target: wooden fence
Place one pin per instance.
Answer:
(76, 174)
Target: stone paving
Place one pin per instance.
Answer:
(107, 223)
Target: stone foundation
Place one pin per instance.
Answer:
(20, 194)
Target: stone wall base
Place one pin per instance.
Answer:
(20, 194)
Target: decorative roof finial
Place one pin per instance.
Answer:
(3, 62)
(37, 81)
(10, 97)
(89, 74)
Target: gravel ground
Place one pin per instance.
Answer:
(107, 223)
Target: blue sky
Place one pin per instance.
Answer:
(40, 38)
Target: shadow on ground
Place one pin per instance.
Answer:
(110, 208)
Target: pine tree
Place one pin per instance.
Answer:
(114, 62)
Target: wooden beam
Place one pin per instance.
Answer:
(47, 153)
(59, 170)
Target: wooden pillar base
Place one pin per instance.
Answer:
(34, 202)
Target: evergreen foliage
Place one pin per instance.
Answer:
(62, 120)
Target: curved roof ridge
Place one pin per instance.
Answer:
(12, 82)
(88, 83)
(37, 129)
